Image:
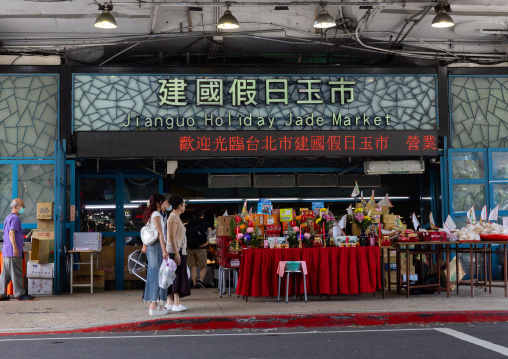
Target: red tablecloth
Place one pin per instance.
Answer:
(332, 270)
(10, 289)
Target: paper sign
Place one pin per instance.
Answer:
(286, 215)
(73, 213)
(264, 206)
(505, 221)
(316, 206)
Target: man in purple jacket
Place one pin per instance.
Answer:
(12, 253)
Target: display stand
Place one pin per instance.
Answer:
(92, 253)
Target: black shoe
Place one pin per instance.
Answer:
(199, 284)
(2, 299)
(26, 297)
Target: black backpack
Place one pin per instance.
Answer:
(196, 233)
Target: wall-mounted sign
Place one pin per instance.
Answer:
(256, 143)
(303, 102)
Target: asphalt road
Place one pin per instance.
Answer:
(439, 341)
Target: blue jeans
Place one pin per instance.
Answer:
(153, 292)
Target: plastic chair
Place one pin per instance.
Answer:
(222, 279)
(294, 271)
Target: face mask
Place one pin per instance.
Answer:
(21, 210)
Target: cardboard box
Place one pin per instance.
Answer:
(83, 277)
(223, 228)
(45, 210)
(88, 240)
(45, 224)
(271, 219)
(40, 286)
(43, 246)
(388, 218)
(38, 270)
(107, 260)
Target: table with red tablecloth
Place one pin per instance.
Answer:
(331, 270)
(10, 289)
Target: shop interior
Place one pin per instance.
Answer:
(220, 185)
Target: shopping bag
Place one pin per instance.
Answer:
(167, 273)
(454, 275)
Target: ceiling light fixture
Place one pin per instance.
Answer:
(442, 19)
(105, 20)
(324, 20)
(228, 21)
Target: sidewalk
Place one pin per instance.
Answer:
(124, 311)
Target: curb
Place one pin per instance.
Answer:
(291, 321)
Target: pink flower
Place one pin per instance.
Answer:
(307, 235)
(359, 217)
(250, 230)
(296, 229)
(239, 236)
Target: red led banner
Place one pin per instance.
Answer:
(191, 144)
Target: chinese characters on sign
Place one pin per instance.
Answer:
(245, 92)
(309, 142)
(195, 144)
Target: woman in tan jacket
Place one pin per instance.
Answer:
(176, 246)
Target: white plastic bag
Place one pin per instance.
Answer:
(167, 273)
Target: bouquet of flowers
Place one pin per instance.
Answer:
(361, 218)
(243, 231)
(326, 217)
(293, 237)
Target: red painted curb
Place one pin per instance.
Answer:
(291, 321)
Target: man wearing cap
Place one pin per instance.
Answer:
(12, 268)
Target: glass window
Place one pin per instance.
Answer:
(501, 195)
(460, 221)
(98, 205)
(36, 183)
(500, 165)
(467, 195)
(137, 192)
(5, 190)
(468, 165)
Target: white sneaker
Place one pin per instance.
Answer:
(168, 307)
(178, 308)
(154, 312)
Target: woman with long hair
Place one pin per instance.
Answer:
(177, 247)
(155, 252)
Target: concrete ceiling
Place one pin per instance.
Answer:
(158, 32)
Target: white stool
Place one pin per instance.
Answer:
(295, 271)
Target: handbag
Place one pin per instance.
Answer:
(148, 234)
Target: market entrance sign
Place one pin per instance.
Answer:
(304, 102)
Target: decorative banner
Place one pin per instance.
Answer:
(471, 215)
(416, 223)
(493, 215)
(356, 190)
(193, 144)
(432, 222)
(349, 211)
(244, 209)
(385, 202)
(372, 200)
(449, 224)
(342, 222)
(483, 215)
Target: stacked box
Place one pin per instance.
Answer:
(225, 258)
(43, 246)
(224, 225)
(40, 278)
